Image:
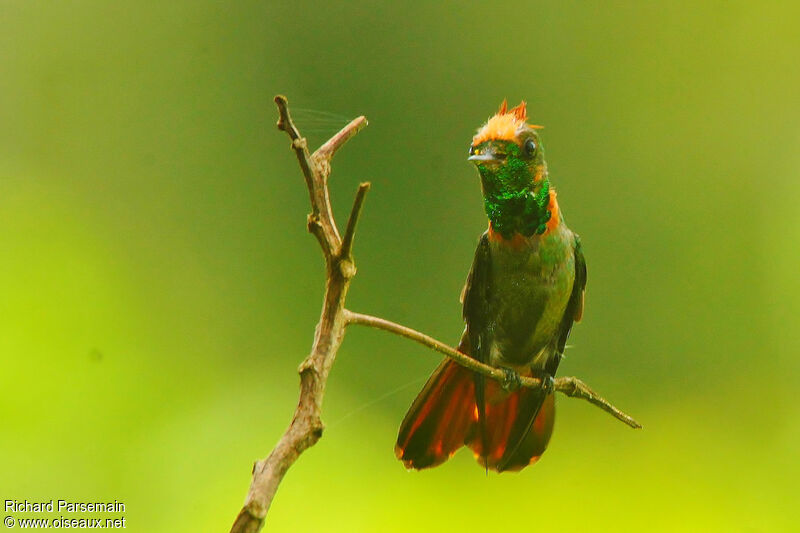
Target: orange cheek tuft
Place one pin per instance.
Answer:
(552, 206)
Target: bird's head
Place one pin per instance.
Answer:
(507, 150)
(509, 157)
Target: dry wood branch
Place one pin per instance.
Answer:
(326, 151)
(350, 230)
(569, 386)
(575, 388)
(306, 426)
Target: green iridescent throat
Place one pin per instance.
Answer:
(511, 203)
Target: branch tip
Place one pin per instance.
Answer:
(327, 150)
(346, 251)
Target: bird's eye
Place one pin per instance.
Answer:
(471, 150)
(530, 147)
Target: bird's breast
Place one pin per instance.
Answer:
(531, 286)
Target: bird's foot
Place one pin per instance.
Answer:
(511, 381)
(548, 383)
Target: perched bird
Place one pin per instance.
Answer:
(523, 293)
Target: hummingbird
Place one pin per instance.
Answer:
(523, 293)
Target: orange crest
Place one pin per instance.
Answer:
(504, 125)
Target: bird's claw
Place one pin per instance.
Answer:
(548, 383)
(511, 381)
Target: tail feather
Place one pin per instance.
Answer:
(516, 430)
(438, 421)
(529, 435)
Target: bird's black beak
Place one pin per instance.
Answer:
(482, 158)
(488, 155)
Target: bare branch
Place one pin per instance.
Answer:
(327, 150)
(299, 145)
(316, 169)
(575, 388)
(349, 232)
(306, 426)
(439, 346)
(567, 385)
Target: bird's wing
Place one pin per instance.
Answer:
(476, 299)
(574, 311)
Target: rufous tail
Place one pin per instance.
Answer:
(444, 417)
(518, 428)
(439, 420)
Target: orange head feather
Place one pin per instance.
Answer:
(505, 125)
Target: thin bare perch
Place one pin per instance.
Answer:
(569, 386)
(326, 151)
(350, 230)
(575, 388)
(306, 426)
(316, 169)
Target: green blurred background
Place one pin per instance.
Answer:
(158, 288)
